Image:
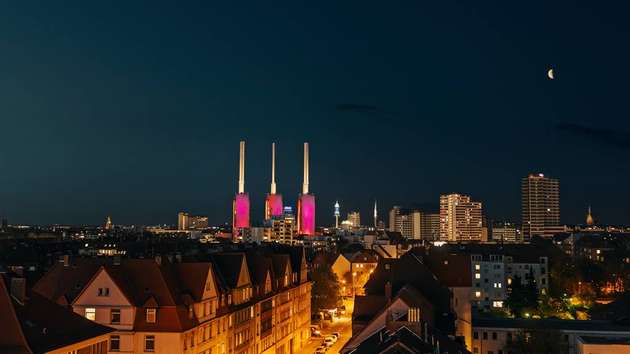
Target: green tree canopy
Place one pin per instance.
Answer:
(325, 292)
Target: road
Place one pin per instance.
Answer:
(342, 325)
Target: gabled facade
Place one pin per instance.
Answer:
(222, 306)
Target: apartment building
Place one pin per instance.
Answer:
(254, 302)
(460, 218)
(32, 324)
(491, 336)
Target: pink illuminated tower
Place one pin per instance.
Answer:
(306, 204)
(240, 206)
(273, 203)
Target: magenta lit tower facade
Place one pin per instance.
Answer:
(240, 206)
(273, 203)
(306, 203)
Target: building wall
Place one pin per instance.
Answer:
(488, 339)
(96, 345)
(462, 307)
(585, 348)
(460, 218)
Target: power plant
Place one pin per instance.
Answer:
(306, 203)
(240, 206)
(274, 208)
(273, 203)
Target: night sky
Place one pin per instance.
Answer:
(136, 110)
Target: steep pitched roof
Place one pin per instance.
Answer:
(63, 283)
(452, 270)
(43, 325)
(229, 265)
(193, 277)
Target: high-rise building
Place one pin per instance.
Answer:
(273, 203)
(337, 214)
(540, 204)
(414, 224)
(185, 221)
(182, 221)
(306, 203)
(354, 217)
(505, 232)
(281, 229)
(240, 206)
(460, 218)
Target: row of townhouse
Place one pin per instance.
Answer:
(256, 301)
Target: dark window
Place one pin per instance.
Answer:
(485, 335)
(476, 335)
(509, 336)
(500, 352)
(149, 343)
(494, 335)
(490, 352)
(114, 343)
(115, 316)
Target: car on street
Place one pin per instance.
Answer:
(321, 350)
(329, 341)
(337, 335)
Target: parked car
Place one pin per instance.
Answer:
(321, 350)
(337, 335)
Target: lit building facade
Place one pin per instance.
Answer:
(460, 218)
(540, 205)
(236, 303)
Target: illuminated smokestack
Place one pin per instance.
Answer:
(273, 168)
(241, 169)
(305, 185)
(240, 206)
(306, 203)
(273, 203)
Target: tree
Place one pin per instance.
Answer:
(522, 296)
(538, 342)
(325, 292)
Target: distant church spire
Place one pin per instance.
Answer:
(589, 217)
(375, 215)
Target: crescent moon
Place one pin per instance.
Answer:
(550, 74)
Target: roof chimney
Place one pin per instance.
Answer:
(18, 289)
(388, 291)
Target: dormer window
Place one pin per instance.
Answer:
(151, 315)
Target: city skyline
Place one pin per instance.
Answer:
(104, 114)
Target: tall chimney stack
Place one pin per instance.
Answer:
(241, 169)
(273, 168)
(305, 185)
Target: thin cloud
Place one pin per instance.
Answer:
(616, 138)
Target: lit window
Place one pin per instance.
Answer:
(90, 313)
(509, 281)
(477, 267)
(477, 276)
(497, 303)
(151, 318)
(477, 293)
(598, 251)
(149, 343)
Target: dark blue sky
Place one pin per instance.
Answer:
(136, 110)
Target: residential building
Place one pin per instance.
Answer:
(540, 205)
(281, 229)
(506, 232)
(580, 337)
(414, 224)
(354, 217)
(354, 270)
(32, 324)
(460, 218)
(186, 221)
(255, 302)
